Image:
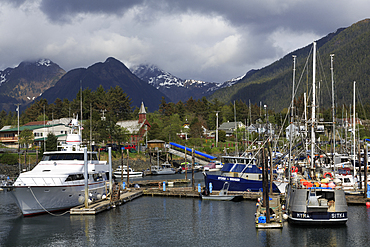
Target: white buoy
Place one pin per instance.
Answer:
(81, 199)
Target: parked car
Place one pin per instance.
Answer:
(129, 146)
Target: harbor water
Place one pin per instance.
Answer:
(171, 221)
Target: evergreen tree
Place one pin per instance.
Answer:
(51, 142)
(26, 139)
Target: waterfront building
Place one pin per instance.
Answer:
(137, 129)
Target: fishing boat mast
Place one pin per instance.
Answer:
(354, 128)
(333, 106)
(313, 120)
(291, 120)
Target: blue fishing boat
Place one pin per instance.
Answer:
(242, 174)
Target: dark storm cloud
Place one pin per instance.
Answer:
(260, 16)
(61, 11)
(211, 40)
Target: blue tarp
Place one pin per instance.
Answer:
(195, 151)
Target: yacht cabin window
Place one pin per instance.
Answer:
(68, 156)
(75, 177)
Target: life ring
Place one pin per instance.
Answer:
(328, 173)
(295, 169)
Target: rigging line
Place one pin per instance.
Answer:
(301, 77)
(362, 105)
(290, 105)
(45, 208)
(253, 157)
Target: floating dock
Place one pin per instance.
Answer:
(105, 204)
(156, 183)
(182, 192)
(189, 192)
(275, 213)
(356, 199)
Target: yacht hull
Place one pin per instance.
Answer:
(33, 200)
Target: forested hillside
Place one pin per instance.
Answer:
(272, 85)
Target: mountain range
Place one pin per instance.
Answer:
(271, 85)
(110, 73)
(174, 87)
(27, 81)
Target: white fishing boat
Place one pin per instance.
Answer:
(222, 195)
(311, 201)
(131, 173)
(165, 169)
(57, 182)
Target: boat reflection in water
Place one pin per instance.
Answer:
(192, 221)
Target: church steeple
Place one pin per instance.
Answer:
(142, 113)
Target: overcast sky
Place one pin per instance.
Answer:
(209, 40)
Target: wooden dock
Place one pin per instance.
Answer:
(105, 204)
(182, 192)
(157, 183)
(271, 218)
(189, 192)
(357, 199)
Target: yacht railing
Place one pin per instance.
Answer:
(46, 181)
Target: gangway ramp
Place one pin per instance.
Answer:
(204, 161)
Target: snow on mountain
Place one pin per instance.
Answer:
(4, 75)
(228, 83)
(43, 62)
(176, 88)
(156, 77)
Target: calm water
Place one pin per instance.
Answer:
(164, 221)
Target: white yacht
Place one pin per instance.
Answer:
(57, 182)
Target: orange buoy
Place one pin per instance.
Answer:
(367, 204)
